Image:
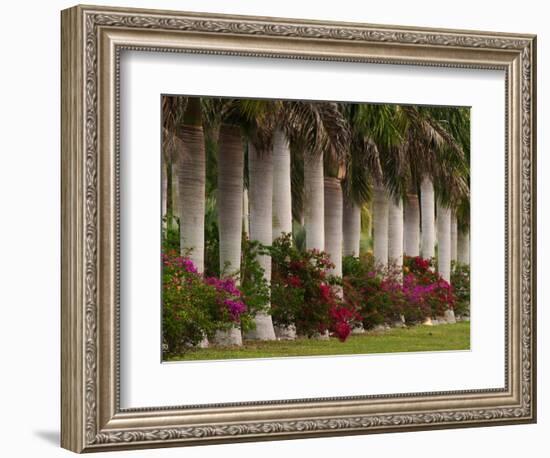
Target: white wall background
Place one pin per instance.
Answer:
(29, 230)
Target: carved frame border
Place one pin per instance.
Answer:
(92, 38)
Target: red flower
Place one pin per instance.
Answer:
(342, 330)
(324, 289)
(294, 281)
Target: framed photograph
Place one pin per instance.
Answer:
(278, 228)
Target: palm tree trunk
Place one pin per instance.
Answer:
(444, 242)
(314, 202)
(260, 171)
(395, 234)
(454, 240)
(444, 250)
(191, 187)
(351, 227)
(174, 192)
(333, 223)
(282, 204)
(246, 215)
(463, 248)
(164, 181)
(230, 210)
(411, 242)
(380, 224)
(428, 218)
(282, 197)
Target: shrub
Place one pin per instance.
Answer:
(170, 234)
(303, 294)
(194, 306)
(383, 295)
(460, 279)
(416, 307)
(436, 292)
(374, 291)
(253, 285)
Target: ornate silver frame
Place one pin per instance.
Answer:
(92, 38)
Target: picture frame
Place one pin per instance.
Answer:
(92, 40)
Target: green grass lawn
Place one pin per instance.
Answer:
(417, 338)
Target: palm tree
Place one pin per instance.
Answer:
(370, 129)
(451, 179)
(457, 122)
(246, 213)
(411, 217)
(444, 241)
(463, 231)
(172, 113)
(164, 189)
(431, 158)
(454, 233)
(463, 249)
(230, 210)
(395, 233)
(318, 133)
(427, 201)
(260, 179)
(185, 163)
(362, 168)
(282, 197)
(380, 222)
(230, 197)
(314, 202)
(191, 178)
(333, 222)
(351, 227)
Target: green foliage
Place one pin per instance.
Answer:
(253, 285)
(299, 236)
(211, 239)
(170, 234)
(460, 279)
(192, 308)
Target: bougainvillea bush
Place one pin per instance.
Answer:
(425, 283)
(304, 294)
(374, 291)
(193, 306)
(384, 295)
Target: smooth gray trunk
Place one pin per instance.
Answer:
(282, 197)
(314, 202)
(164, 195)
(246, 216)
(333, 223)
(230, 210)
(191, 192)
(463, 248)
(454, 237)
(428, 218)
(395, 234)
(260, 173)
(380, 224)
(175, 191)
(444, 242)
(351, 227)
(411, 241)
(444, 251)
